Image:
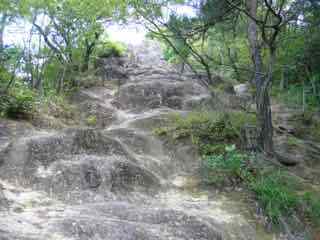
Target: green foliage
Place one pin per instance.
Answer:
(18, 103)
(238, 119)
(205, 129)
(307, 124)
(276, 192)
(210, 131)
(111, 49)
(161, 131)
(293, 141)
(275, 195)
(293, 96)
(56, 105)
(315, 130)
(311, 207)
(273, 190)
(91, 120)
(170, 55)
(228, 164)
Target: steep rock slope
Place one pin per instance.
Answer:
(117, 181)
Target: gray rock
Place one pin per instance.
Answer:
(116, 181)
(4, 204)
(241, 89)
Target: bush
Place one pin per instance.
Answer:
(293, 141)
(58, 106)
(210, 131)
(273, 190)
(230, 165)
(312, 207)
(293, 96)
(111, 49)
(275, 195)
(216, 135)
(18, 102)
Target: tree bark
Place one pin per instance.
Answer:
(61, 80)
(255, 46)
(3, 22)
(264, 116)
(1, 39)
(261, 82)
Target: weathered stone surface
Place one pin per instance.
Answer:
(116, 180)
(242, 90)
(158, 93)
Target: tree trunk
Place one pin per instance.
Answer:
(1, 39)
(3, 22)
(255, 46)
(61, 81)
(261, 82)
(265, 138)
(86, 58)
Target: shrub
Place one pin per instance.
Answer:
(210, 131)
(18, 102)
(231, 165)
(111, 49)
(312, 207)
(216, 135)
(315, 130)
(57, 106)
(293, 96)
(293, 141)
(161, 131)
(272, 190)
(275, 195)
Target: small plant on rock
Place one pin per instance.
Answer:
(92, 120)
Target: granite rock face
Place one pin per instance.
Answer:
(116, 180)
